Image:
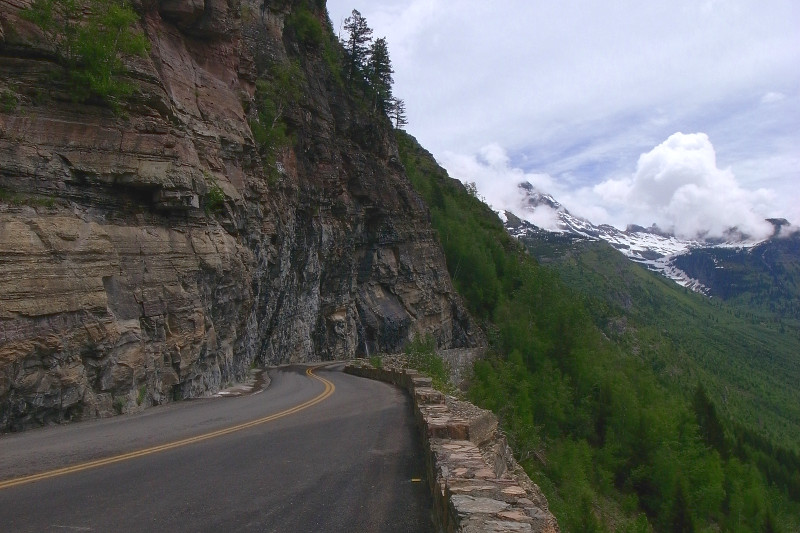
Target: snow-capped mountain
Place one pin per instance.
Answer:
(541, 214)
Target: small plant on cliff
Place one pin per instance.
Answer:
(7, 196)
(246, 12)
(9, 101)
(90, 38)
(32, 200)
(307, 28)
(273, 97)
(422, 356)
(118, 404)
(142, 394)
(214, 199)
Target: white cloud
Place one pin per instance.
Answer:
(679, 186)
(772, 97)
(576, 90)
(498, 184)
(498, 181)
(676, 185)
(543, 217)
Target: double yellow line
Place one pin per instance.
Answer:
(327, 391)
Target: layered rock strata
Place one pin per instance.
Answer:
(122, 286)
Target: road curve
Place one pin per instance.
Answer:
(324, 452)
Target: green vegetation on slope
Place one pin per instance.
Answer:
(90, 37)
(762, 282)
(421, 355)
(274, 95)
(614, 447)
(749, 368)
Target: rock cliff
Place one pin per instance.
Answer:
(151, 253)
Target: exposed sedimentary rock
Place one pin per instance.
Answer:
(120, 288)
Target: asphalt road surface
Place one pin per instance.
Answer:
(314, 452)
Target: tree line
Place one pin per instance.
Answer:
(368, 61)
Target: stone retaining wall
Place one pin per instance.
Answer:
(477, 485)
(460, 361)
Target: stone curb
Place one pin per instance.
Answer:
(474, 480)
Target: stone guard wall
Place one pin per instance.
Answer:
(476, 484)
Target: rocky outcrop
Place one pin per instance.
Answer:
(122, 286)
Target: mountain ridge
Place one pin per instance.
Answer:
(652, 247)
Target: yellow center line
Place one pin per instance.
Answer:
(329, 388)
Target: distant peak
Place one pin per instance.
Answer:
(653, 230)
(777, 222)
(781, 227)
(535, 198)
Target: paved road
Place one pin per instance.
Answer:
(309, 454)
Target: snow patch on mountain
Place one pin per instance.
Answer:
(651, 247)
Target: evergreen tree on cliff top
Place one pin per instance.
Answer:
(397, 113)
(357, 43)
(379, 71)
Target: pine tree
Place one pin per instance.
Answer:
(711, 428)
(357, 42)
(681, 516)
(379, 70)
(770, 524)
(397, 113)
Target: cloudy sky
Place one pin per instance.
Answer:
(685, 113)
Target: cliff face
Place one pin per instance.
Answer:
(121, 288)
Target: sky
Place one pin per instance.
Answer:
(682, 113)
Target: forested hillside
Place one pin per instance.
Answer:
(587, 394)
(749, 363)
(763, 281)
